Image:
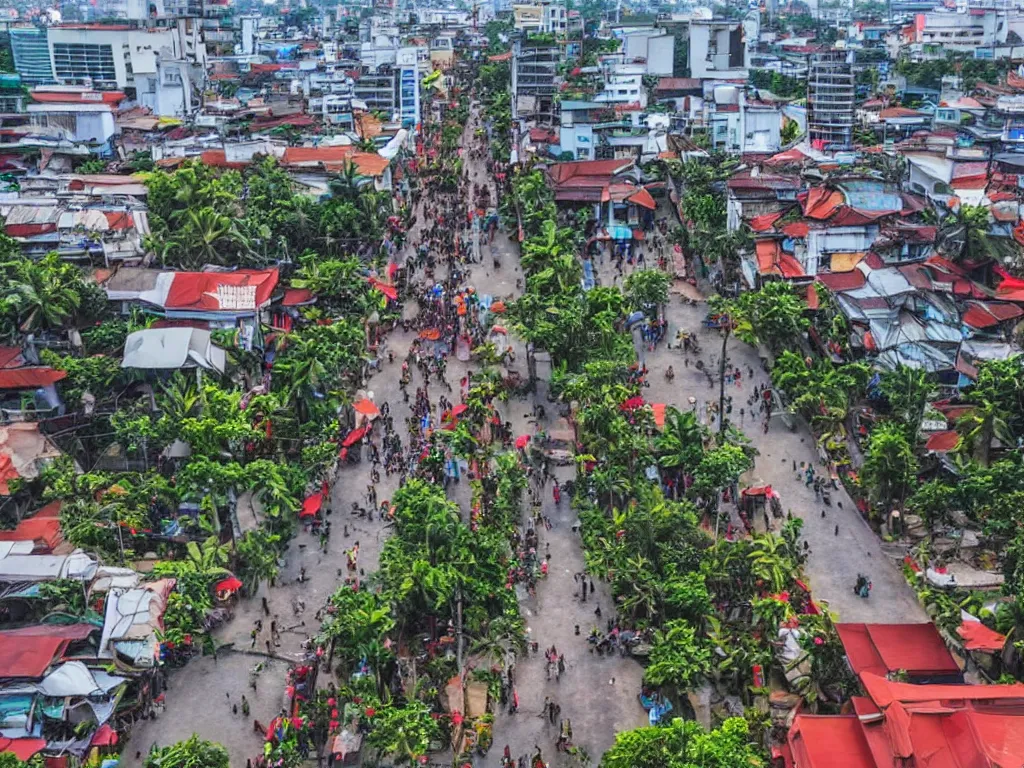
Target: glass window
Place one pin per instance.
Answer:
(77, 61)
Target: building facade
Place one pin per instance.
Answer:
(831, 93)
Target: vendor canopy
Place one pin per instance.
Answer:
(882, 649)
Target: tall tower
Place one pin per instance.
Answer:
(830, 100)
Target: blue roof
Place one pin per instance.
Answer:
(867, 195)
(571, 105)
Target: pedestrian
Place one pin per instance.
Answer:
(252, 635)
(245, 706)
(837, 529)
(561, 664)
(266, 608)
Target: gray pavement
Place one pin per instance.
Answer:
(599, 695)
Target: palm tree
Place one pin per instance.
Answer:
(210, 558)
(965, 235)
(769, 560)
(680, 445)
(979, 427)
(40, 295)
(346, 185)
(543, 250)
(204, 236)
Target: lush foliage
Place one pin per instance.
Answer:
(193, 752)
(684, 744)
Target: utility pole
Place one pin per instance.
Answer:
(458, 627)
(721, 377)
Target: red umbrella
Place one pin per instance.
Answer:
(522, 440)
(431, 334)
(366, 407)
(353, 437)
(460, 409)
(230, 584)
(311, 505)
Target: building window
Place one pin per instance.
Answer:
(77, 61)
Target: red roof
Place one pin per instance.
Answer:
(31, 377)
(10, 357)
(23, 749)
(217, 158)
(821, 202)
(764, 222)
(543, 136)
(642, 198)
(77, 97)
(988, 314)
(942, 442)
(771, 260)
(978, 637)
(43, 528)
(307, 155)
(885, 648)
(28, 656)
(818, 741)
(293, 297)
(240, 291)
(842, 281)
(893, 112)
(938, 726)
(562, 172)
(796, 229)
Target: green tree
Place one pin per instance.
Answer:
(44, 295)
(966, 235)
(678, 658)
(907, 390)
(646, 288)
(685, 744)
(719, 468)
(890, 466)
(193, 752)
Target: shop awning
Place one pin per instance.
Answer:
(312, 504)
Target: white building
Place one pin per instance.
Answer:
(151, 66)
(654, 48)
(540, 18)
(82, 115)
(623, 84)
(738, 125)
(718, 50)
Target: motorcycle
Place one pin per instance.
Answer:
(862, 587)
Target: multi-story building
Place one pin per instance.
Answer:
(32, 55)
(409, 61)
(150, 65)
(623, 84)
(540, 18)
(377, 90)
(652, 47)
(534, 75)
(830, 100)
(719, 49)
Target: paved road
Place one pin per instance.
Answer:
(597, 694)
(835, 559)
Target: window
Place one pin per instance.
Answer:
(77, 61)
(582, 154)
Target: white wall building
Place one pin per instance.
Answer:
(623, 84)
(652, 46)
(718, 49)
(540, 18)
(152, 66)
